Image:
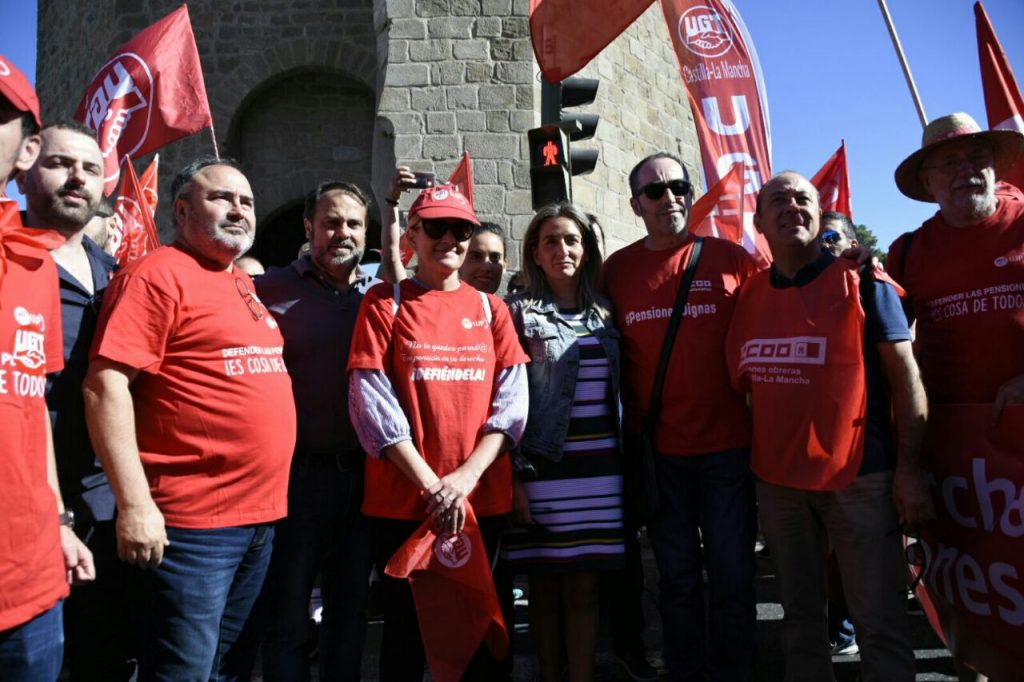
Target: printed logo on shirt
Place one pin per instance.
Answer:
(448, 374)
(469, 324)
(1003, 261)
(23, 366)
(655, 313)
(796, 350)
(452, 550)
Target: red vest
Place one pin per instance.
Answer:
(800, 353)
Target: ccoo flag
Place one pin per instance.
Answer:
(723, 81)
(1003, 101)
(149, 94)
(567, 34)
(833, 183)
(456, 603)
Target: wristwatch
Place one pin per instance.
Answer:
(67, 518)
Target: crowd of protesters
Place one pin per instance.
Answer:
(217, 444)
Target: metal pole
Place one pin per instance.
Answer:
(903, 63)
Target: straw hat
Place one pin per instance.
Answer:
(1006, 148)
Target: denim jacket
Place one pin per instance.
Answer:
(550, 341)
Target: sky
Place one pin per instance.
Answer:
(830, 73)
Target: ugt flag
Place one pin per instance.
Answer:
(833, 183)
(1003, 102)
(726, 90)
(134, 218)
(456, 604)
(719, 213)
(149, 94)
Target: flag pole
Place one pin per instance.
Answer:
(903, 62)
(213, 139)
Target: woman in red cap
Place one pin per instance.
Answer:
(438, 394)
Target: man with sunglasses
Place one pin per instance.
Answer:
(702, 433)
(837, 233)
(191, 412)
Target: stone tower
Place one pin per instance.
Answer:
(307, 90)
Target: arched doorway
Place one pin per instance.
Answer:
(292, 132)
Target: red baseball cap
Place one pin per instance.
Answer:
(443, 201)
(16, 88)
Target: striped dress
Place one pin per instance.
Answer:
(576, 504)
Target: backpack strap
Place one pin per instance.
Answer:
(396, 298)
(488, 313)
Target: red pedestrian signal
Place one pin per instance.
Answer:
(550, 152)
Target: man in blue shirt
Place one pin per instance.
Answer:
(315, 300)
(63, 190)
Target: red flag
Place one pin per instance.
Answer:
(720, 69)
(149, 94)
(456, 604)
(462, 177)
(134, 219)
(719, 213)
(149, 184)
(972, 555)
(567, 34)
(833, 183)
(1003, 101)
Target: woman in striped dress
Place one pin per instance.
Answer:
(567, 486)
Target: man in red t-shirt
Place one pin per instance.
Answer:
(191, 412)
(963, 270)
(703, 431)
(40, 552)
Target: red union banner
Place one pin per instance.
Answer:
(1003, 101)
(456, 604)
(973, 585)
(149, 94)
(833, 183)
(567, 34)
(134, 217)
(723, 80)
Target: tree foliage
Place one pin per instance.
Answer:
(867, 238)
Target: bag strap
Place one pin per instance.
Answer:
(654, 408)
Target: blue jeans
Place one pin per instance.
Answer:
(193, 606)
(324, 533)
(711, 498)
(33, 651)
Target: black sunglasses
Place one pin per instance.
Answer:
(436, 228)
(830, 237)
(656, 190)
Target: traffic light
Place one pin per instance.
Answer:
(572, 92)
(549, 165)
(553, 160)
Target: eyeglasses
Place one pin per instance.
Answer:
(976, 160)
(436, 228)
(830, 237)
(656, 190)
(250, 299)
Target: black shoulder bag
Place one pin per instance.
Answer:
(642, 491)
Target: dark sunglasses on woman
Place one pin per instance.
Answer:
(435, 228)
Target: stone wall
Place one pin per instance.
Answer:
(459, 77)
